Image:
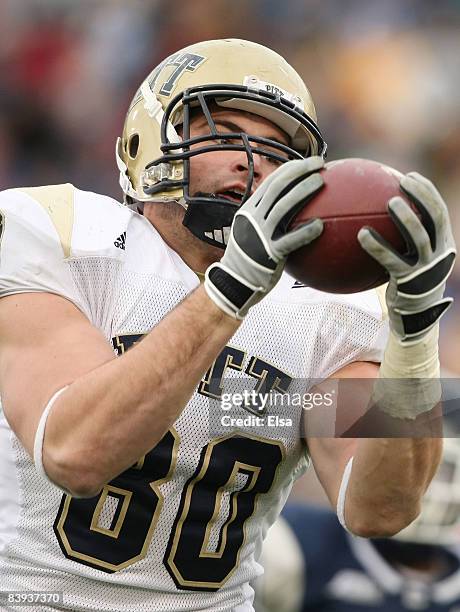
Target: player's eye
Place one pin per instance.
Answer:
(274, 157)
(275, 162)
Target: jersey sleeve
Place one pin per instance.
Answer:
(353, 328)
(371, 306)
(36, 226)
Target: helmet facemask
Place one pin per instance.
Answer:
(208, 216)
(230, 73)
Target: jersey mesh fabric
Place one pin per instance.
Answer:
(306, 339)
(108, 512)
(97, 283)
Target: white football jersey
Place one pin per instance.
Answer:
(182, 529)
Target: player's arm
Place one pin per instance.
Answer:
(113, 411)
(379, 491)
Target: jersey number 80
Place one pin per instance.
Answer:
(203, 550)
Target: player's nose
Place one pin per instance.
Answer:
(262, 167)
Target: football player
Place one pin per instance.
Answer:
(124, 489)
(311, 563)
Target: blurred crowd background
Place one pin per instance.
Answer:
(385, 77)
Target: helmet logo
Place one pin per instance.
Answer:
(184, 62)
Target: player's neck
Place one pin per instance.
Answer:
(195, 253)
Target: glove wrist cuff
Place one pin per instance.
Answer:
(412, 360)
(408, 383)
(231, 295)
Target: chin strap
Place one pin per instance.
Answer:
(155, 110)
(124, 180)
(210, 220)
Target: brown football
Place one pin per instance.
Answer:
(355, 193)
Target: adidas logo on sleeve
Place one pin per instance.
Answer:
(120, 242)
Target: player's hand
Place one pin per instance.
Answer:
(259, 244)
(415, 292)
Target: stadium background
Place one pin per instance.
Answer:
(385, 77)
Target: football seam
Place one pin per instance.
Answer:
(356, 216)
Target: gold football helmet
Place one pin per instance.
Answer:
(154, 160)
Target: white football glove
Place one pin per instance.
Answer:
(259, 243)
(415, 292)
